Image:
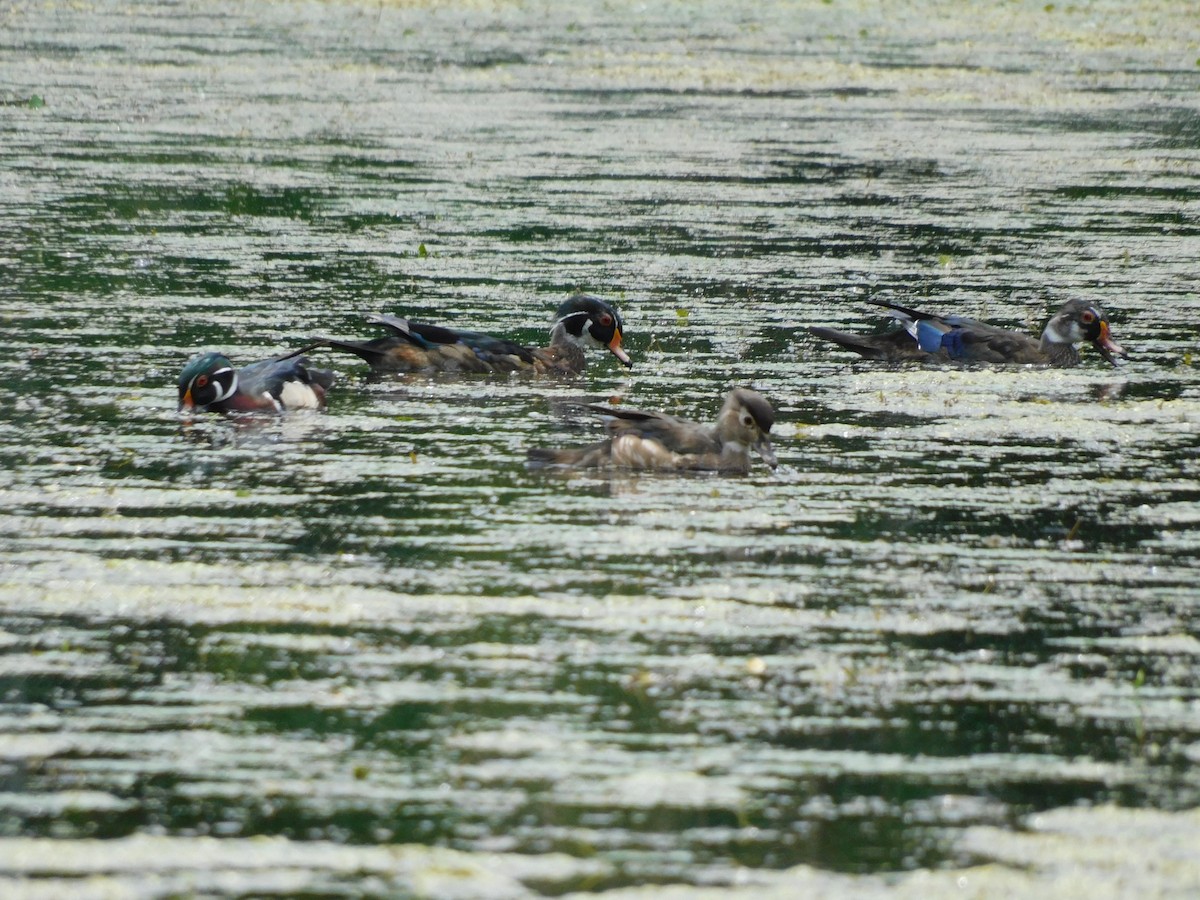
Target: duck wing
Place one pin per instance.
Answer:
(496, 353)
(675, 434)
(493, 350)
(964, 338)
(279, 378)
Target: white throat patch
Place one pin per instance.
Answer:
(233, 383)
(583, 337)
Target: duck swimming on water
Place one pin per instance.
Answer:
(211, 383)
(927, 336)
(660, 442)
(582, 322)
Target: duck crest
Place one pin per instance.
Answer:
(568, 326)
(758, 407)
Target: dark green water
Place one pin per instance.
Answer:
(370, 652)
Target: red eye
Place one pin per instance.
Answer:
(605, 319)
(1087, 317)
(202, 381)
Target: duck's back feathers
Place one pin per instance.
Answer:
(497, 352)
(978, 342)
(385, 354)
(674, 434)
(291, 383)
(492, 351)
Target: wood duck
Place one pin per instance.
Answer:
(930, 337)
(652, 440)
(210, 383)
(582, 321)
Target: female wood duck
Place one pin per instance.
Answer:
(930, 337)
(582, 321)
(210, 383)
(651, 440)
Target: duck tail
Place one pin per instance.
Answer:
(546, 456)
(364, 350)
(903, 312)
(305, 349)
(582, 457)
(862, 344)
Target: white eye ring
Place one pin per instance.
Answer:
(747, 421)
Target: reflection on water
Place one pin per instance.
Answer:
(956, 626)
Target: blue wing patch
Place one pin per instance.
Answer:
(929, 336)
(953, 344)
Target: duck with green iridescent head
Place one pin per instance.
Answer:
(582, 322)
(211, 383)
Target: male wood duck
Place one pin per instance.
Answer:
(582, 321)
(210, 383)
(652, 440)
(926, 336)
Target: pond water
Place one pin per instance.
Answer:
(951, 646)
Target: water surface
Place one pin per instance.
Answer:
(951, 645)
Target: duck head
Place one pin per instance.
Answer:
(1081, 320)
(206, 380)
(590, 322)
(746, 419)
